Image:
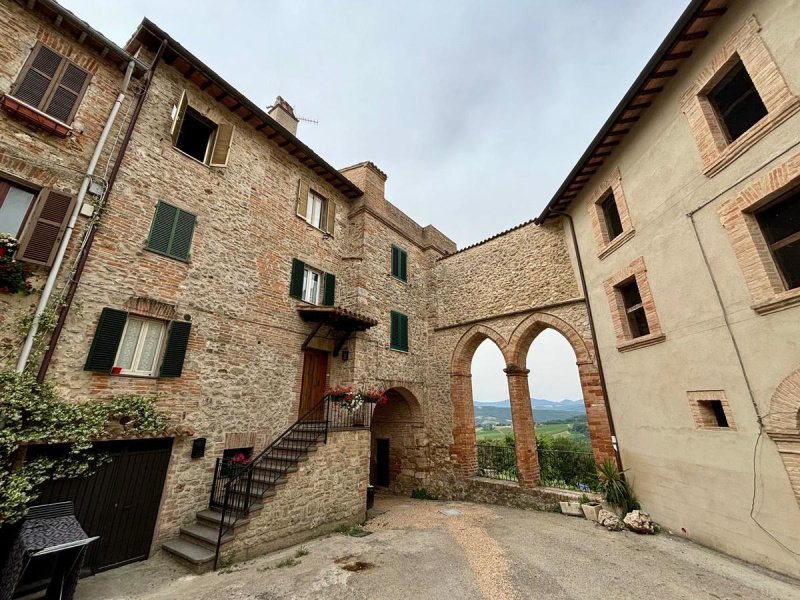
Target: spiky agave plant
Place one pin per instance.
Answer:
(611, 483)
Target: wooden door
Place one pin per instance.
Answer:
(119, 501)
(315, 371)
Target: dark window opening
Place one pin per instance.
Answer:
(196, 134)
(713, 413)
(634, 308)
(399, 264)
(780, 223)
(611, 216)
(737, 102)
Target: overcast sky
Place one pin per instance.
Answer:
(476, 110)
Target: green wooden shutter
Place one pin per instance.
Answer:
(403, 265)
(106, 340)
(403, 335)
(175, 352)
(182, 235)
(296, 283)
(395, 261)
(330, 290)
(161, 229)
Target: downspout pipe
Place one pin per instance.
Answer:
(47, 291)
(600, 373)
(75, 278)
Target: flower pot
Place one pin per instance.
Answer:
(591, 509)
(571, 508)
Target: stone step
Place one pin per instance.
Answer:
(254, 494)
(285, 446)
(189, 551)
(300, 436)
(205, 534)
(281, 470)
(214, 517)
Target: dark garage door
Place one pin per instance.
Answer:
(119, 502)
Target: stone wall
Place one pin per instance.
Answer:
(39, 159)
(328, 490)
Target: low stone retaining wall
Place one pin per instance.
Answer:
(508, 493)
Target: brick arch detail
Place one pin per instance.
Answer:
(463, 449)
(782, 425)
(598, 421)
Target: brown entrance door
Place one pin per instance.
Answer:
(315, 369)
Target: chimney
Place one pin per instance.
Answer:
(283, 113)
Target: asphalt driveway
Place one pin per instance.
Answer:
(476, 551)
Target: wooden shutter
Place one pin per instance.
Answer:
(37, 76)
(394, 330)
(175, 352)
(330, 209)
(302, 198)
(222, 145)
(403, 333)
(45, 227)
(161, 229)
(67, 93)
(330, 290)
(296, 283)
(395, 261)
(106, 340)
(177, 119)
(182, 235)
(403, 264)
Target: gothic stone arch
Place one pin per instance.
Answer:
(782, 424)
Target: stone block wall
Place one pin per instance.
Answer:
(328, 490)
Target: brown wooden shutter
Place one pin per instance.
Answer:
(330, 210)
(45, 227)
(177, 120)
(222, 145)
(67, 93)
(302, 198)
(37, 76)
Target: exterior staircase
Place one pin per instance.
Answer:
(241, 491)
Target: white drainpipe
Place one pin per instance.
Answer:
(62, 248)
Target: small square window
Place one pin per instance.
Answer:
(139, 351)
(312, 283)
(196, 135)
(317, 210)
(780, 224)
(611, 215)
(737, 102)
(634, 308)
(713, 413)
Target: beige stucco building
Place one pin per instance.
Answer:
(235, 274)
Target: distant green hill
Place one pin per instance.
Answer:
(544, 411)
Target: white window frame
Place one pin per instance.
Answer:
(137, 353)
(316, 210)
(307, 295)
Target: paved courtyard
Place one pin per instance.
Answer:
(475, 552)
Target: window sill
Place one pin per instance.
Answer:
(641, 342)
(400, 350)
(190, 157)
(779, 302)
(35, 117)
(134, 375)
(313, 227)
(396, 278)
(185, 261)
(615, 243)
(735, 149)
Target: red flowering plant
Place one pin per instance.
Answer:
(13, 275)
(240, 459)
(352, 401)
(376, 396)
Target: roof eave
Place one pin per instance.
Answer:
(334, 177)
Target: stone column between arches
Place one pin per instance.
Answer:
(522, 421)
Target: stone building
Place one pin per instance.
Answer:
(235, 274)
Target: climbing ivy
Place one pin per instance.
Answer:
(31, 412)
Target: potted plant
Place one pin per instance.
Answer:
(571, 508)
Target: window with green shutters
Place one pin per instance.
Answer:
(399, 331)
(127, 344)
(311, 285)
(399, 264)
(171, 232)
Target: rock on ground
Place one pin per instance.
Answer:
(610, 521)
(639, 521)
